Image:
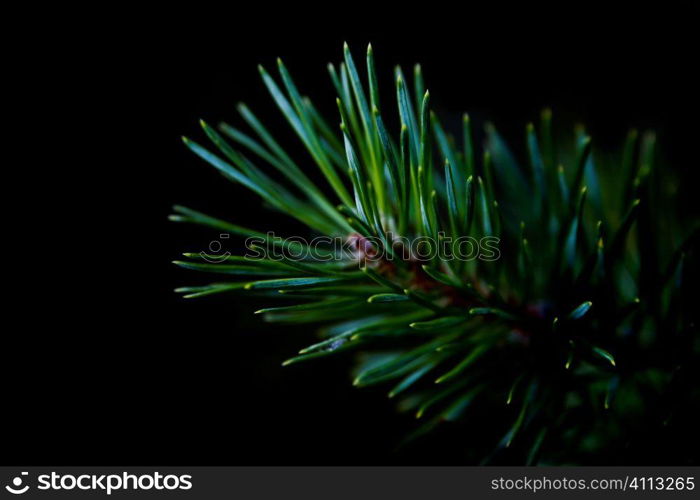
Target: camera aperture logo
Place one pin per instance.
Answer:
(106, 483)
(16, 487)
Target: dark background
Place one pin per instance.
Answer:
(113, 367)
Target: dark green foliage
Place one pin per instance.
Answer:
(577, 329)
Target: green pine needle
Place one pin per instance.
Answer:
(570, 228)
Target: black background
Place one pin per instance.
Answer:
(110, 366)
